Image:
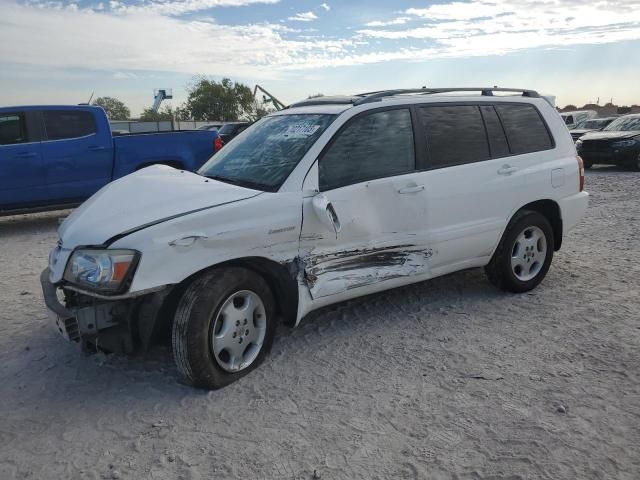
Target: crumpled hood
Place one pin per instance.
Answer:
(609, 135)
(148, 196)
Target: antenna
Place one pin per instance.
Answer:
(89, 102)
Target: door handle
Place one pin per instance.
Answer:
(26, 154)
(95, 148)
(507, 170)
(411, 189)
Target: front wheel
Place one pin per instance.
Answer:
(524, 254)
(223, 327)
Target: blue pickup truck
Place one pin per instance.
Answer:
(54, 157)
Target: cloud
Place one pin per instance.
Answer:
(179, 7)
(303, 17)
(395, 21)
(325, 6)
(482, 27)
(121, 38)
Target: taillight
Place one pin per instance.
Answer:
(581, 171)
(217, 144)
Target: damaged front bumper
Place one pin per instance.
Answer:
(120, 324)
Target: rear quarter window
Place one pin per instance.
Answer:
(13, 128)
(525, 129)
(61, 124)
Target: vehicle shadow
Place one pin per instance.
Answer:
(607, 169)
(16, 225)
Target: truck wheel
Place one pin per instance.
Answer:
(223, 327)
(524, 254)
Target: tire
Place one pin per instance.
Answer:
(532, 259)
(635, 166)
(204, 325)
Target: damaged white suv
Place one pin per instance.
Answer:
(329, 199)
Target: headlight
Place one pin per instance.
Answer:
(578, 143)
(624, 143)
(103, 270)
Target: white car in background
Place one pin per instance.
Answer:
(329, 199)
(573, 119)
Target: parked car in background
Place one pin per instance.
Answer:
(617, 144)
(330, 199)
(592, 125)
(229, 130)
(573, 119)
(54, 157)
(211, 126)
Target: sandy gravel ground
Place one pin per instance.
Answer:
(448, 379)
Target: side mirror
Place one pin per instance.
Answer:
(325, 213)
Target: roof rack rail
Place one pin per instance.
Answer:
(369, 97)
(328, 100)
(485, 91)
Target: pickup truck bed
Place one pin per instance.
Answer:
(54, 157)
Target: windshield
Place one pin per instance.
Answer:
(264, 155)
(593, 124)
(624, 124)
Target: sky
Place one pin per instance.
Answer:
(62, 51)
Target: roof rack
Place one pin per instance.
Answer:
(334, 100)
(370, 97)
(485, 91)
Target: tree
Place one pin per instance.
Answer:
(165, 113)
(114, 108)
(226, 101)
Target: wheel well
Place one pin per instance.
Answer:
(282, 281)
(171, 163)
(280, 278)
(551, 211)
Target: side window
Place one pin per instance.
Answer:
(497, 138)
(455, 134)
(568, 119)
(13, 128)
(371, 146)
(61, 124)
(525, 129)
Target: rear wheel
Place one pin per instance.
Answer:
(524, 254)
(223, 327)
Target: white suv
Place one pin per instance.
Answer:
(329, 199)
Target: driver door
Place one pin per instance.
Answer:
(364, 216)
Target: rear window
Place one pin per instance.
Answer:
(526, 132)
(455, 134)
(13, 128)
(61, 124)
(264, 156)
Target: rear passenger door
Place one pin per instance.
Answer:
(368, 185)
(22, 174)
(477, 157)
(470, 190)
(79, 155)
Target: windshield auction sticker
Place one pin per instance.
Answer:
(302, 129)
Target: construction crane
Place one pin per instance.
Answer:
(159, 95)
(267, 97)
